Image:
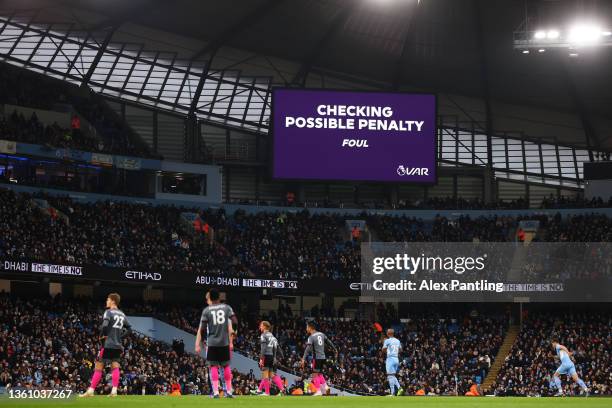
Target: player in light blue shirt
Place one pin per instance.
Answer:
(567, 367)
(392, 347)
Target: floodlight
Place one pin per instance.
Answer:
(584, 34)
(552, 34)
(540, 34)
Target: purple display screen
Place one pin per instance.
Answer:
(361, 136)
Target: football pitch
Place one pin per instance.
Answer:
(310, 402)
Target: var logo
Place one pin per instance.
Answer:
(412, 171)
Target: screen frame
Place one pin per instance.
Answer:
(271, 133)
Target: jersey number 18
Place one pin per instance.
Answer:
(218, 317)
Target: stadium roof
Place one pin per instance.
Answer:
(461, 48)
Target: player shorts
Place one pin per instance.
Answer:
(318, 365)
(392, 365)
(218, 355)
(268, 363)
(567, 369)
(108, 355)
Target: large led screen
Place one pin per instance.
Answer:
(346, 135)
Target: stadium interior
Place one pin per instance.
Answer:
(145, 150)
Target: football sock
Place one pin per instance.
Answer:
(556, 383)
(214, 380)
(394, 384)
(315, 382)
(262, 384)
(391, 384)
(95, 380)
(322, 379)
(227, 375)
(267, 387)
(322, 384)
(115, 377)
(278, 382)
(581, 384)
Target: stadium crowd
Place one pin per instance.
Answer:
(528, 368)
(443, 354)
(295, 245)
(108, 234)
(579, 228)
(576, 202)
(53, 342)
(107, 133)
(32, 354)
(30, 130)
(437, 203)
(432, 203)
(460, 203)
(292, 245)
(462, 229)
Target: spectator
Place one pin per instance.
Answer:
(531, 362)
(356, 234)
(274, 245)
(109, 134)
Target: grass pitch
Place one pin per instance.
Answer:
(314, 402)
